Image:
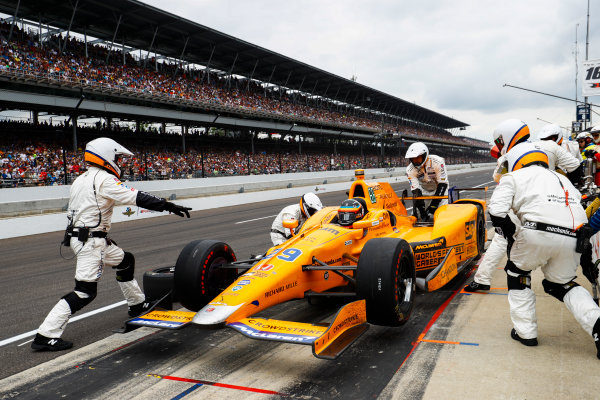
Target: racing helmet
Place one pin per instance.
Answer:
(105, 153)
(416, 150)
(509, 133)
(524, 155)
(310, 204)
(595, 132)
(551, 132)
(351, 210)
(585, 137)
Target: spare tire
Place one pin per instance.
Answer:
(158, 282)
(198, 278)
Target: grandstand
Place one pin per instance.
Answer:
(130, 67)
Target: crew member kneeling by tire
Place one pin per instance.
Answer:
(548, 207)
(92, 199)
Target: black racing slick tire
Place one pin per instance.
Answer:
(198, 278)
(480, 232)
(158, 282)
(386, 279)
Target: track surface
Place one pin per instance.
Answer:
(34, 277)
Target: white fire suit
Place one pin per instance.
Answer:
(92, 198)
(557, 158)
(548, 207)
(427, 177)
(279, 234)
(573, 148)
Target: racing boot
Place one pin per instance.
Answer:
(474, 286)
(142, 308)
(526, 342)
(43, 343)
(596, 336)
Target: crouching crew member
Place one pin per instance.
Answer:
(92, 199)
(309, 204)
(548, 209)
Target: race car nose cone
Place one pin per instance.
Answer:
(213, 314)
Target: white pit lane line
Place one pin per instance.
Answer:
(77, 318)
(255, 219)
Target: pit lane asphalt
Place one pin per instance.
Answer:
(33, 277)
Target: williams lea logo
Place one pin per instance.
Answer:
(129, 212)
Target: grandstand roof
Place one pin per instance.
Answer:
(141, 26)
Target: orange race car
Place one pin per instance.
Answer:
(376, 261)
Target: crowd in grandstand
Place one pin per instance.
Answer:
(33, 155)
(76, 63)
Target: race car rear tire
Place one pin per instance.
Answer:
(480, 232)
(198, 278)
(386, 279)
(157, 283)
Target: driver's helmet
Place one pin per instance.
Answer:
(105, 153)
(310, 204)
(414, 153)
(525, 155)
(509, 133)
(350, 211)
(551, 132)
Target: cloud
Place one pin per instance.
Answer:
(452, 56)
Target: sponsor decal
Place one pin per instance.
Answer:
(374, 223)
(159, 324)
(266, 267)
(429, 259)
(244, 282)
(129, 212)
(326, 275)
(286, 337)
(210, 309)
(255, 274)
(430, 245)
(281, 289)
(372, 196)
(255, 303)
(343, 323)
(395, 229)
(469, 230)
(348, 242)
(328, 229)
(459, 249)
(283, 328)
(236, 288)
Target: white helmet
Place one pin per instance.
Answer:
(310, 204)
(415, 150)
(593, 130)
(509, 133)
(104, 153)
(526, 154)
(549, 131)
(583, 136)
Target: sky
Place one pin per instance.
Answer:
(451, 56)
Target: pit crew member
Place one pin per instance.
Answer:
(554, 133)
(93, 196)
(548, 209)
(557, 157)
(427, 177)
(309, 204)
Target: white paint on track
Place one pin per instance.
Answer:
(77, 318)
(255, 219)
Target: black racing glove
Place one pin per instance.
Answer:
(177, 210)
(587, 266)
(590, 153)
(505, 227)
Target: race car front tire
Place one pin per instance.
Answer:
(198, 278)
(386, 279)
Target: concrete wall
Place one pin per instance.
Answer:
(49, 199)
